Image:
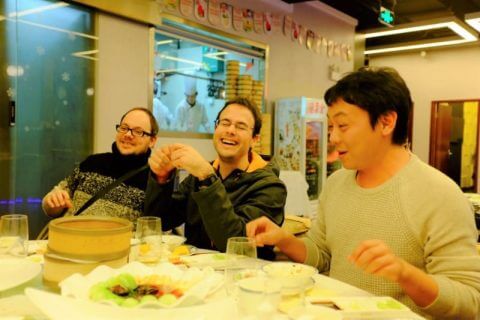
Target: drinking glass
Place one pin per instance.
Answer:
(149, 236)
(14, 234)
(241, 256)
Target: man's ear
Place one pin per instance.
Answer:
(255, 140)
(153, 141)
(388, 122)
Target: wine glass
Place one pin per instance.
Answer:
(14, 234)
(241, 255)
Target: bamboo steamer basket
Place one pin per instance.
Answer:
(80, 244)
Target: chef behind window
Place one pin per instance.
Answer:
(191, 114)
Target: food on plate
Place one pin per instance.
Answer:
(128, 291)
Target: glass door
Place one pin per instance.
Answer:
(47, 59)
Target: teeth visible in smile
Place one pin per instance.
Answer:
(229, 142)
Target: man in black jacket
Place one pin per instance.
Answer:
(217, 199)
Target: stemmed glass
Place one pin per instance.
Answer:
(238, 249)
(14, 234)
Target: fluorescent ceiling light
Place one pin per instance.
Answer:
(219, 53)
(164, 42)
(37, 10)
(163, 56)
(473, 19)
(453, 24)
(43, 26)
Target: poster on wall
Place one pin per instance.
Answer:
(343, 51)
(349, 53)
(267, 23)
(287, 25)
(258, 22)
(186, 8)
(214, 12)
(170, 5)
(201, 10)
(226, 15)
(330, 48)
(336, 49)
(237, 19)
(324, 45)
(247, 20)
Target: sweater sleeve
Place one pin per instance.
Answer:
(449, 239)
(222, 220)
(160, 202)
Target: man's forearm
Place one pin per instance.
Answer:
(418, 285)
(293, 247)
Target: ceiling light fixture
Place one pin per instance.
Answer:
(162, 42)
(473, 19)
(86, 54)
(453, 24)
(38, 9)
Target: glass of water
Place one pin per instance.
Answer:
(14, 234)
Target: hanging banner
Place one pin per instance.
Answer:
(295, 31)
(214, 12)
(258, 22)
(237, 19)
(310, 38)
(287, 26)
(226, 15)
(186, 8)
(267, 23)
(276, 22)
(301, 34)
(201, 10)
(247, 20)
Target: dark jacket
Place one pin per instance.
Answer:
(221, 210)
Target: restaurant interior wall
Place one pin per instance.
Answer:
(292, 71)
(446, 74)
(123, 74)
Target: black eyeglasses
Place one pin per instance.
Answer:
(136, 132)
(239, 126)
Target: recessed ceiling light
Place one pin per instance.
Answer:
(453, 24)
(473, 19)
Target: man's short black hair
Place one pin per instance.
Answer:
(377, 91)
(250, 105)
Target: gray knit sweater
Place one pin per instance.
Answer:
(421, 215)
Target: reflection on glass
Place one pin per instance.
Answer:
(49, 48)
(193, 80)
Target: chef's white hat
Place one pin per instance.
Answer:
(190, 86)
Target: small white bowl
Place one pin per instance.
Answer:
(173, 241)
(258, 296)
(290, 274)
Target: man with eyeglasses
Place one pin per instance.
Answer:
(136, 135)
(217, 199)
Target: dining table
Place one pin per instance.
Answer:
(23, 295)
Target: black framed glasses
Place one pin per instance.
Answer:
(136, 132)
(239, 126)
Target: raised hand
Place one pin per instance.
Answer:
(187, 158)
(161, 164)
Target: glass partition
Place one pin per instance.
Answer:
(196, 71)
(46, 99)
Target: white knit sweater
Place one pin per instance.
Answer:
(421, 215)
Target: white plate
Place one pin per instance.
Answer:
(14, 272)
(58, 307)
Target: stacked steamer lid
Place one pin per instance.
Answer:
(233, 70)
(245, 86)
(257, 93)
